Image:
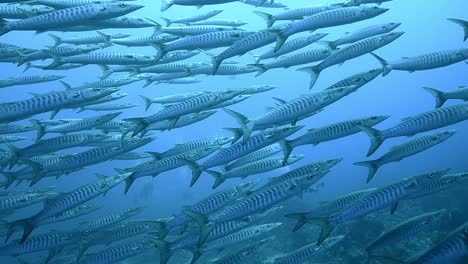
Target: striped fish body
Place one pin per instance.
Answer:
(440, 184)
(300, 107)
(235, 100)
(11, 139)
(266, 4)
(452, 248)
(18, 11)
(461, 93)
(183, 121)
(22, 200)
(292, 45)
(193, 145)
(212, 203)
(358, 49)
(165, 77)
(299, 58)
(29, 80)
(255, 156)
(313, 177)
(430, 60)
(358, 80)
(362, 2)
(337, 205)
(198, 2)
(124, 230)
(415, 146)
(251, 42)
(207, 41)
(72, 213)
(8, 53)
(12, 128)
(364, 33)
(405, 230)
(108, 220)
(71, 16)
(107, 107)
(118, 253)
(105, 99)
(192, 30)
(92, 39)
(225, 69)
(255, 89)
(333, 17)
(254, 143)
(194, 18)
(109, 58)
(82, 124)
(97, 155)
(108, 83)
(66, 50)
(115, 126)
(61, 4)
(219, 22)
(427, 121)
(259, 200)
(178, 55)
(376, 200)
(306, 11)
(145, 40)
(58, 143)
(169, 67)
(76, 197)
(132, 156)
(335, 131)
(39, 243)
(49, 102)
(303, 254)
(260, 166)
(239, 236)
(192, 105)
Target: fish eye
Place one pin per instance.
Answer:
(97, 89)
(123, 5)
(374, 118)
(86, 232)
(116, 177)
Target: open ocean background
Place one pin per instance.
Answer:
(399, 95)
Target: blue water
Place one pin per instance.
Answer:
(399, 95)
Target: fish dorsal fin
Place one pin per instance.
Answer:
(101, 176)
(279, 100)
(405, 119)
(311, 129)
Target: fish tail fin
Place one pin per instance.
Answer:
(261, 68)
(167, 21)
(269, 19)
(165, 4)
(155, 155)
(14, 154)
(161, 52)
(463, 24)
(28, 66)
(287, 149)
(201, 220)
(3, 27)
(22, 59)
(385, 65)
(164, 248)
(205, 232)
(301, 220)
(372, 165)
(314, 73)
(237, 133)
(246, 125)
(196, 171)
(280, 39)
(57, 40)
(57, 61)
(326, 228)
(107, 38)
(215, 62)
(10, 178)
(375, 136)
(438, 96)
(148, 102)
(24, 224)
(218, 176)
(39, 127)
(106, 71)
(141, 124)
(128, 183)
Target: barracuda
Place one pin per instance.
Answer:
(155, 167)
(351, 51)
(69, 17)
(328, 208)
(68, 50)
(290, 112)
(175, 111)
(145, 40)
(334, 131)
(240, 149)
(254, 156)
(117, 253)
(194, 18)
(290, 46)
(402, 151)
(183, 121)
(72, 213)
(410, 126)
(359, 79)
(169, 99)
(108, 220)
(192, 145)
(108, 58)
(209, 40)
(23, 80)
(442, 97)
(256, 167)
(329, 18)
(63, 203)
(54, 101)
(383, 197)
(100, 38)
